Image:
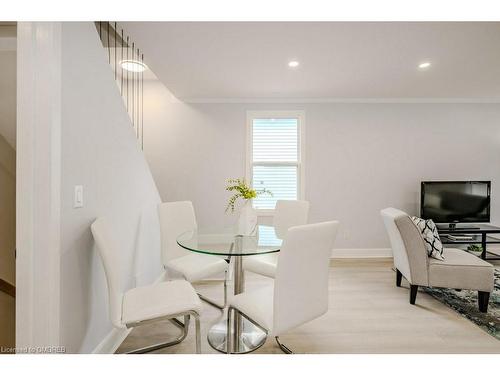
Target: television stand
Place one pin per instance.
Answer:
(482, 234)
(454, 226)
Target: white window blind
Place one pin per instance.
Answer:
(267, 236)
(275, 159)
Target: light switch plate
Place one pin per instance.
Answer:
(78, 199)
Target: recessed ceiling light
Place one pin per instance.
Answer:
(424, 65)
(133, 65)
(293, 64)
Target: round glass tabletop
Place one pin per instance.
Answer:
(264, 241)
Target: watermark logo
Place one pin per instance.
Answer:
(33, 350)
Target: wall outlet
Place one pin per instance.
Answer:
(78, 199)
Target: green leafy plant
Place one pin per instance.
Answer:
(242, 190)
(475, 248)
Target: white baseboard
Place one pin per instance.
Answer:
(362, 253)
(112, 341)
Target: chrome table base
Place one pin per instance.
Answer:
(251, 337)
(247, 336)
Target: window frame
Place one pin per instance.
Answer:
(277, 114)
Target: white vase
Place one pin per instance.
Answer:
(247, 222)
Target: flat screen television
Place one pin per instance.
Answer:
(451, 202)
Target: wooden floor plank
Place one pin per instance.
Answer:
(367, 314)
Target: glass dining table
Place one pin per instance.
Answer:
(247, 337)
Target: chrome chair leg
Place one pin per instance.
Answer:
(198, 333)
(229, 334)
(184, 327)
(178, 323)
(212, 302)
(283, 348)
(225, 288)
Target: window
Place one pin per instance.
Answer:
(275, 156)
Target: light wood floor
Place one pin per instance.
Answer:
(367, 314)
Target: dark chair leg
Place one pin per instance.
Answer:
(399, 276)
(413, 293)
(483, 299)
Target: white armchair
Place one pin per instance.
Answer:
(458, 270)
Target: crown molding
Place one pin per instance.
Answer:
(341, 100)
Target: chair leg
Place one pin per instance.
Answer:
(225, 288)
(210, 302)
(185, 328)
(229, 334)
(399, 276)
(283, 348)
(413, 293)
(198, 333)
(483, 299)
(213, 303)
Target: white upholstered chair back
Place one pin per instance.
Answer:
(389, 216)
(109, 254)
(289, 213)
(415, 251)
(175, 219)
(301, 284)
(408, 248)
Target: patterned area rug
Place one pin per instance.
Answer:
(465, 303)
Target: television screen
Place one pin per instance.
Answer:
(455, 201)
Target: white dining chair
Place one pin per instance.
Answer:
(177, 218)
(288, 213)
(300, 292)
(146, 304)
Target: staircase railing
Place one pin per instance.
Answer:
(126, 61)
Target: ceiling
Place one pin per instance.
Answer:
(217, 61)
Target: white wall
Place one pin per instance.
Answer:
(192, 150)
(100, 152)
(360, 158)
